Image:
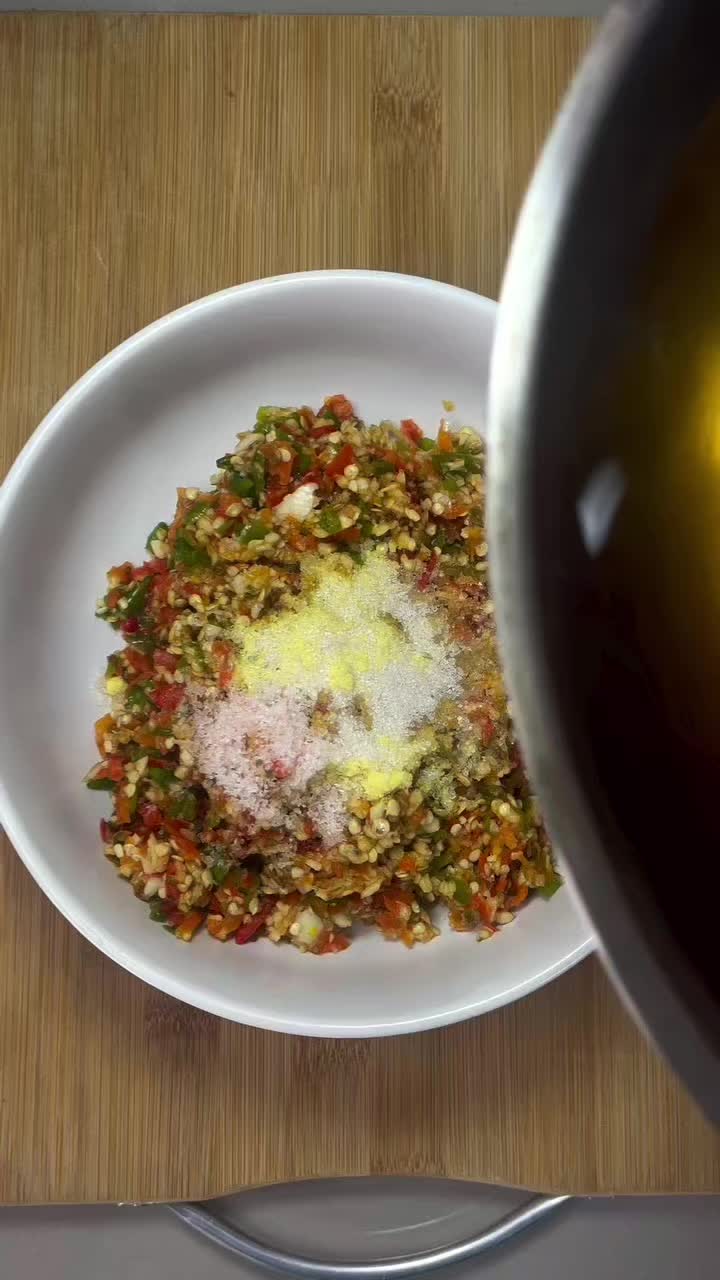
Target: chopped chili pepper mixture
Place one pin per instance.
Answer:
(308, 727)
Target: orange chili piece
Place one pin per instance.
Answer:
(332, 943)
(189, 925)
(120, 574)
(224, 928)
(187, 847)
(122, 808)
(340, 406)
(445, 442)
(224, 653)
(485, 909)
(103, 726)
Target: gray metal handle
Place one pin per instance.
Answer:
(207, 1224)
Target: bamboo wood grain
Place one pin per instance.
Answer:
(145, 161)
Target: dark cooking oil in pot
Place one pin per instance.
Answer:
(654, 692)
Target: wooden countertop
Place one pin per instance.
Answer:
(145, 161)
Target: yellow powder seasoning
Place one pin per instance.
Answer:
(361, 632)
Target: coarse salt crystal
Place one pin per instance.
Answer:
(251, 746)
(329, 811)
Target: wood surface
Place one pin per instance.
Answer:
(145, 161)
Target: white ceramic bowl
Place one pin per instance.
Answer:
(96, 476)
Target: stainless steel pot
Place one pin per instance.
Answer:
(574, 274)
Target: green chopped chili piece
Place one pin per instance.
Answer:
(447, 463)
(137, 699)
(144, 644)
(304, 462)
(100, 784)
(161, 777)
(268, 414)
(112, 666)
(196, 510)
(242, 486)
(427, 445)
(158, 913)
(550, 888)
(254, 532)
(138, 597)
(189, 554)
(443, 860)
(159, 529)
(184, 806)
(462, 893)
(220, 869)
(473, 461)
(379, 467)
(330, 521)
(451, 463)
(193, 658)
(259, 471)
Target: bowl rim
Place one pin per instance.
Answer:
(10, 818)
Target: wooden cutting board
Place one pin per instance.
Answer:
(145, 161)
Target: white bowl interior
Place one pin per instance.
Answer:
(96, 477)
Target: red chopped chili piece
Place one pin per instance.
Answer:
(411, 430)
(169, 697)
(140, 662)
(397, 461)
(344, 458)
(151, 816)
(324, 429)
(168, 661)
(113, 768)
(248, 931)
(148, 570)
(429, 572)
